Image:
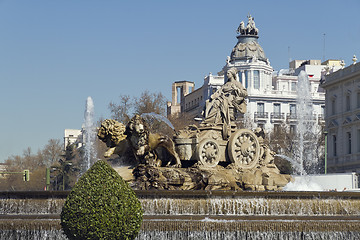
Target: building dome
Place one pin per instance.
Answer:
(247, 46)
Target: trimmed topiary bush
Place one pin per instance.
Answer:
(101, 206)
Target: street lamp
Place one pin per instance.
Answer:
(326, 133)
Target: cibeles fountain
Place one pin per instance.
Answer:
(209, 181)
(218, 155)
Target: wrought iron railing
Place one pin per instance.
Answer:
(258, 115)
(277, 116)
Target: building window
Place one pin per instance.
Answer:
(178, 94)
(260, 110)
(293, 110)
(256, 79)
(334, 146)
(247, 73)
(348, 134)
(348, 102)
(333, 106)
(260, 107)
(240, 78)
(323, 110)
(277, 109)
(293, 86)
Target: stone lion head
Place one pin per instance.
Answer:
(111, 132)
(137, 125)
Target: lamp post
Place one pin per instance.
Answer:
(326, 133)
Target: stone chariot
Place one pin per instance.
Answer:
(208, 147)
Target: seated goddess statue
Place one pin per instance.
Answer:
(223, 104)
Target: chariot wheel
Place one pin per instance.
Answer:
(244, 149)
(208, 152)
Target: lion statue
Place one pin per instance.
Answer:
(112, 133)
(147, 146)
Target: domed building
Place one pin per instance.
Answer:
(272, 95)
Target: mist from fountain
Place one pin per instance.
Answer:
(300, 184)
(294, 164)
(304, 160)
(89, 135)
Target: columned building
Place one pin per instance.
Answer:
(271, 95)
(180, 89)
(343, 119)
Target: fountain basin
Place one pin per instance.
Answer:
(201, 214)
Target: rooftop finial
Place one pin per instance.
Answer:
(354, 59)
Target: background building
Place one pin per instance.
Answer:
(343, 118)
(272, 95)
(72, 136)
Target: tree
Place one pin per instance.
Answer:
(120, 112)
(64, 172)
(286, 142)
(36, 163)
(146, 103)
(150, 103)
(181, 120)
(101, 206)
(51, 152)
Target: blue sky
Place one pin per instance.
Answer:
(54, 54)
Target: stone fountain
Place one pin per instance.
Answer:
(212, 181)
(217, 154)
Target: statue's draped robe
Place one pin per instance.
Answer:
(220, 107)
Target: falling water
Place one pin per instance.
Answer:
(307, 140)
(203, 215)
(206, 215)
(154, 116)
(304, 160)
(89, 135)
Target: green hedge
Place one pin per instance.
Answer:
(101, 206)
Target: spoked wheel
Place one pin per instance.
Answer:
(244, 149)
(208, 152)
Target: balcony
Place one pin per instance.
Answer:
(277, 116)
(261, 115)
(291, 116)
(295, 117)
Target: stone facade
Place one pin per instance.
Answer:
(343, 119)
